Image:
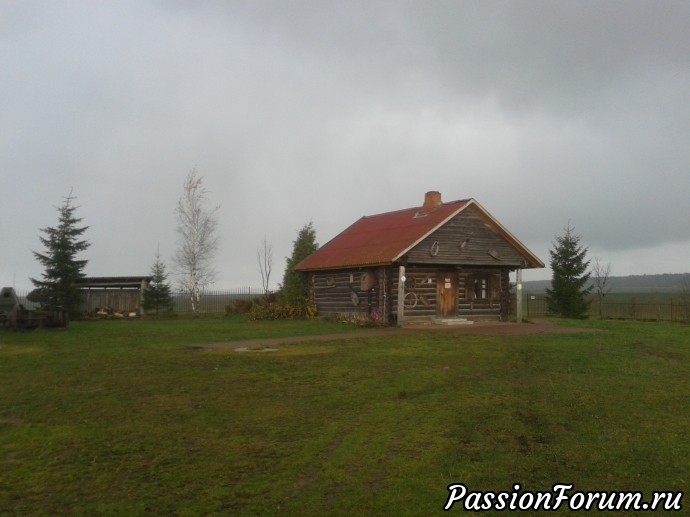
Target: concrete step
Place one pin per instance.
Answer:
(452, 321)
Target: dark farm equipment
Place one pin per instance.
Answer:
(15, 316)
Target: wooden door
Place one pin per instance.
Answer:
(447, 294)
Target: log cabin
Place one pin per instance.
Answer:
(439, 262)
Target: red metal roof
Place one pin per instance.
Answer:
(380, 239)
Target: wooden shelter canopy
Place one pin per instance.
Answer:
(113, 282)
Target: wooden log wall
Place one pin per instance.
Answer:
(469, 306)
(350, 291)
(505, 295)
(420, 292)
(340, 292)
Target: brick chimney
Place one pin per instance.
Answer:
(432, 200)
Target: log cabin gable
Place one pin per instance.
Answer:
(468, 238)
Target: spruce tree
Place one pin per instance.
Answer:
(158, 296)
(62, 269)
(294, 289)
(568, 295)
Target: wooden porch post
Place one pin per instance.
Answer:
(142, 288)
(518, 296)
(401, 295)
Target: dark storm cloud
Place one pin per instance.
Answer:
(544, 111)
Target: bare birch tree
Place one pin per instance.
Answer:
(601, 274)
(198, 242)
(264, 255)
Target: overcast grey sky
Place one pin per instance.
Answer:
(544, 111)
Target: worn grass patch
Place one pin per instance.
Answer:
(120, 418)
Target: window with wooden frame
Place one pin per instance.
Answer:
(481, 287)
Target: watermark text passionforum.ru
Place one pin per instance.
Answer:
(561, 496)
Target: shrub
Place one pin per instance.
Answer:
(238, 307)
(281, 311)
(360, 319)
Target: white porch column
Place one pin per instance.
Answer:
(401, 295)
(518, 295)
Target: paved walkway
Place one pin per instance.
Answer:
(481, 328)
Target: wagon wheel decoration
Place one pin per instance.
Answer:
(410, 300)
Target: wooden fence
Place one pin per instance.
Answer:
(534, 306)
(213, 301)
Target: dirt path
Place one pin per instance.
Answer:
(476, 329)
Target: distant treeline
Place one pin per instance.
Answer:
(666, 283)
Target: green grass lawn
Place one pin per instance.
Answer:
(122, 418)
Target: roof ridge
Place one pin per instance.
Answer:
(417, 208)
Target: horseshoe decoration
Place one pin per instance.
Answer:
(353, 295)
